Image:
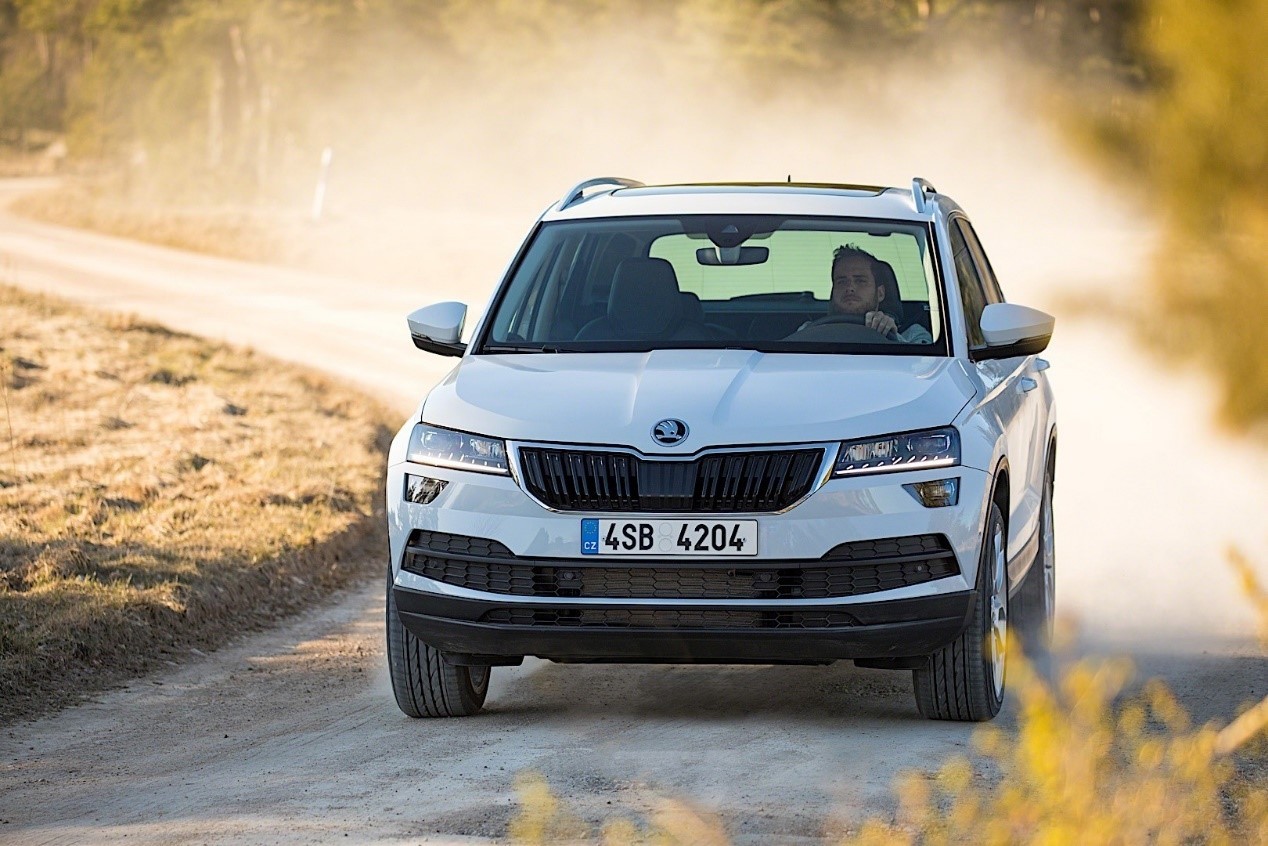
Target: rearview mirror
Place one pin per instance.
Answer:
(1012, 330)
(437, 328)
(716, 256)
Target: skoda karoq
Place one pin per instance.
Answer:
(738, 423)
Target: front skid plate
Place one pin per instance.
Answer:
(898, 628)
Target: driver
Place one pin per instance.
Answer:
(856, 290)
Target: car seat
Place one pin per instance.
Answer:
(893, 302)
(644, 304)
(693, 313)
(617, 249)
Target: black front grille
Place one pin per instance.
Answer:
(662, 618)
(850, 569)
(583, 480)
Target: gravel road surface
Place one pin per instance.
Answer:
(292, 735)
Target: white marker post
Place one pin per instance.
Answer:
(323, 176)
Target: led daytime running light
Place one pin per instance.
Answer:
(907, 451)
(460, 450)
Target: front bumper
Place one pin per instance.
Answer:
(893, 629)
(907, 621)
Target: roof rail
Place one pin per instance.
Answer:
(919, 187)
(578, 191)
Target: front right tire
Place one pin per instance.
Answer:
(424, 683)
(965, 680)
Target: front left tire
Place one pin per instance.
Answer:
(424, 683)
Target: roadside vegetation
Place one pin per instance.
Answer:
(161, 493)
(1191, 143)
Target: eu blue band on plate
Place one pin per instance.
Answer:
(589, 537)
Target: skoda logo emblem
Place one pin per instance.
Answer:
(670, 432)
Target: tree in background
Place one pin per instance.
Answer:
(228, 97)
(201, 98)
(41, 48)
(1194, 140)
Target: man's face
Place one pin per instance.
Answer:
(854, 288)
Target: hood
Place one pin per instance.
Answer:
(724, 396)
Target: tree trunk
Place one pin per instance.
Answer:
(246, 102)
(216, 117)
(265, 120)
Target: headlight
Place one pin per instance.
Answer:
(447, 448)
(908, 451)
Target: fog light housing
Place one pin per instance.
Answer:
(422, 489)
(939, 494)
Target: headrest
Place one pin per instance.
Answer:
(893, 302)
(618, 248)
(645, 301)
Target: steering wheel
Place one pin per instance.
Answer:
(856, 319)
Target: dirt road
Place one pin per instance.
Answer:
(292, 736)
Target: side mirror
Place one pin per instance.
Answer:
(437, 328)
(1013, 330)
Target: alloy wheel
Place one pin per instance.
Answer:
(998, 608)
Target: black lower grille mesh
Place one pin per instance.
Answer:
(851, 569)
(656, 618)
(586, 480)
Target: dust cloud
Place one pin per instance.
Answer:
(432, 199)
(438, 184)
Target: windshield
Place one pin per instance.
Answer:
(777, 284)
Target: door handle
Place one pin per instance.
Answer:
(1042, 364)
(1028, 384)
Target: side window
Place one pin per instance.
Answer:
(971, 292)
(989, 283)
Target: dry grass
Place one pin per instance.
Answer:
(13, 164)
(160, 492)
(43, 155)
(89, 204)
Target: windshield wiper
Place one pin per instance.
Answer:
(519, 348)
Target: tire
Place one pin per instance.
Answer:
(965, 680)
(1038, 592)
(424, 683)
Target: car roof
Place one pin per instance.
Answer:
(783, 198)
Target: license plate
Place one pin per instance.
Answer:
(731, 538)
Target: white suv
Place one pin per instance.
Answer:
(737, 423)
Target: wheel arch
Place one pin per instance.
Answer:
(1001, 487)
(1050, 457)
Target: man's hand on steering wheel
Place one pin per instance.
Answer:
(881, 322)
(878, 321)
